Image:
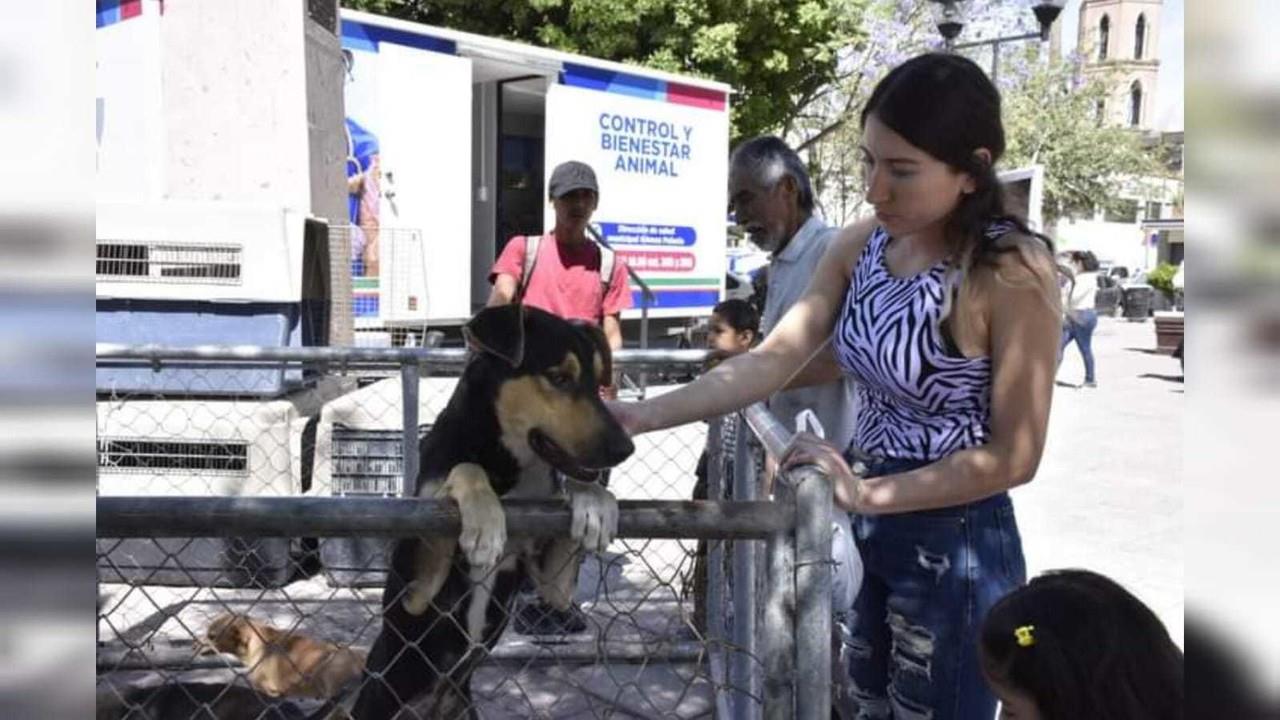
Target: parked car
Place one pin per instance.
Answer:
(737, 286)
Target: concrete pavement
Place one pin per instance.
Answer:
(1109, 496)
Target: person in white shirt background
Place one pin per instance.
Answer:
(1080, 318)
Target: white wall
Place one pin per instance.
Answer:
(235, 101)
(1120, 243)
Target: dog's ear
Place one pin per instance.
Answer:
(498, 331)
(601, 343)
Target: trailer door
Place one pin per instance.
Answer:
(425, 126)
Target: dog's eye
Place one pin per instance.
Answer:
(560, 380)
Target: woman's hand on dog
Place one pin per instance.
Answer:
(630, 415)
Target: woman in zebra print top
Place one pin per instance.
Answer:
(946, 311)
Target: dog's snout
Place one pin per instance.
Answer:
(619, 448)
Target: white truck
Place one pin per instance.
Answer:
(466, 129)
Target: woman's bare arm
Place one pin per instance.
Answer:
(822, 368)
(753, 376)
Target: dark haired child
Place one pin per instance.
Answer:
(732, 329)
(1074, 644)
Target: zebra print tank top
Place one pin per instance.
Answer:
(918, 399)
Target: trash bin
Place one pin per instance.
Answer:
(1107, 301)
(1137, 302)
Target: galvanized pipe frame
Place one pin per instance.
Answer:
(797, 619)
(747, 684)
(126, 516)
(798, 569)
(715, 621)
(427, 357)
(412, 363)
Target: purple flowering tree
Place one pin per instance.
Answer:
(1050, 110)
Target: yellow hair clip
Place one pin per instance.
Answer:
(1024, 635)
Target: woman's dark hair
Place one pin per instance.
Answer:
(1095, 650)
(1087, 260)
(740, 315)
(946, 105)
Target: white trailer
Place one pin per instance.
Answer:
(467, 129)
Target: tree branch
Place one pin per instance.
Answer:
(823, 133)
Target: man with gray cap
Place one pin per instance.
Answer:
(565, 273)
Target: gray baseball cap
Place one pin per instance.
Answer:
(570, 176)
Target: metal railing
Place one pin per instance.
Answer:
(765, 649)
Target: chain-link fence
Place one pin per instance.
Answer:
(244, 540)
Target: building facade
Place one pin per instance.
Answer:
(1120, 43)
(1120, 40)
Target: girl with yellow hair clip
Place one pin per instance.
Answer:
(1073, 644)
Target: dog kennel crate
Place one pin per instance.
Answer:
(163, 446)
(210, 273)
(358, 453)
(191, 273)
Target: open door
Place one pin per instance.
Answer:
(521, 128)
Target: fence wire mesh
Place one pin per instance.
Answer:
(272, 625)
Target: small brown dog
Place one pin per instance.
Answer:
(283, 663)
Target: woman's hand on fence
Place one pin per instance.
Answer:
(809, 449)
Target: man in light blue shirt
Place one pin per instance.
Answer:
(772, 200)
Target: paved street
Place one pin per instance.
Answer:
(1108, 496)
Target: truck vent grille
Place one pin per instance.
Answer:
(207, 264)
(184, 455)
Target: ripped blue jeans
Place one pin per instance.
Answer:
(910, 642)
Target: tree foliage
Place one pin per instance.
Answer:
(1050, 113)
(777, 55)
(1052, 119)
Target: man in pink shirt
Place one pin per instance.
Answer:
(564, 278)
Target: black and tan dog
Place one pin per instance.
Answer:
(527, 403)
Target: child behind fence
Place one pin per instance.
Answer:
(732, 329)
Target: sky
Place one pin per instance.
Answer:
(1169, 83)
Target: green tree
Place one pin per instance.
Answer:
(1051, 117)
(827, 128)
(778, 55)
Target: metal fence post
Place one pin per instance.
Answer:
(409, 438)
(779, 628)
(745, 683)
(779, 620)
(715, 624)
(813, 499)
